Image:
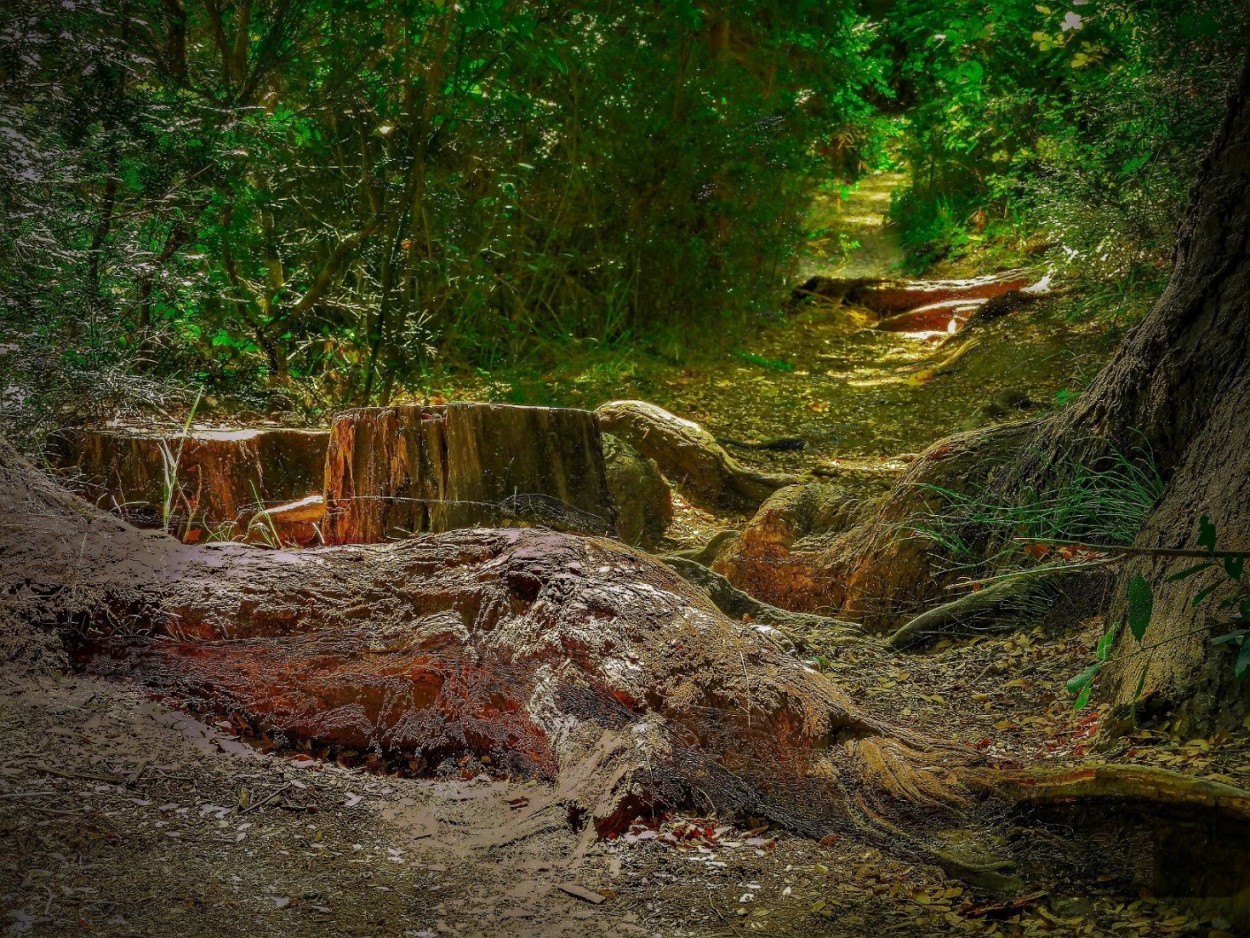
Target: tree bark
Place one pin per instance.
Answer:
(397, 471)
(556, 657)
(1174, 393)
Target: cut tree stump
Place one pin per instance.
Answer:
(397, 471)
(223, 476)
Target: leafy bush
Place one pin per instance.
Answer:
(338, 197)
(1077, 124)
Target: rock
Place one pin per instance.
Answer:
(397, 471)
(641, 497)
(223, 476)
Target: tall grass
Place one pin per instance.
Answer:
(1104, 503)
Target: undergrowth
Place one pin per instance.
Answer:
(1104, 503)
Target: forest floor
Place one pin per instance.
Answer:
(122, 816)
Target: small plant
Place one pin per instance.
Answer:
(169, 465)
(1106, 503)
(1140, 611)
(772, 364)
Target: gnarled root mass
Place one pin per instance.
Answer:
(690, 457)
(557, 657)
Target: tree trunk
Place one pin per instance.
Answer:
(551, 656)
(1179, 385)
(396, 471)
(1175, 391)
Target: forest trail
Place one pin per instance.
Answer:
(861, 219)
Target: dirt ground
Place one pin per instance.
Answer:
(122, 816)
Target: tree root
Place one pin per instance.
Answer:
(690, 457)
(1141, 784)
(798, 627)
(998, 595)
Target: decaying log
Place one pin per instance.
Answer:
(558, 657)
(222, 476)
(689, 456)
(890, 297)
(396, 471)
(295, 524)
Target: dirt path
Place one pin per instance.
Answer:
(122, 817)
(859, 220)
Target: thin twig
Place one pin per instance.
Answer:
(1140, 551)
(1036, 571)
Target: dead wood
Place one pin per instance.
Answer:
(398, 471)
(216, 478)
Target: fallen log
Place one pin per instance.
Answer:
(689, 456)
(891, 297)
(397, 471)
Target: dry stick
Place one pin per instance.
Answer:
(1036, 571)
(1140, 551)
(48, 770)
(264, 801)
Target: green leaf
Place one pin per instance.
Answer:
(1234, 566)
(1237, 636)
(1085, 678)
(1202, 595)
(1140, 606)
(1141, 682)
(1206, 533)
(1083, 697)
(1190, 571)
(1243, 662)
(1106, 644)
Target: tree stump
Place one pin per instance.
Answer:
(397, 471)
(222, 477)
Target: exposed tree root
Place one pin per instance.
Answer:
(996, 596)
(1123, 783)
(576, 660)
(689, 456)
(800, 628)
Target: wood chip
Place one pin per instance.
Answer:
(581, 892)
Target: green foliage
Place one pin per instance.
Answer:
(1105, 503)
(336, 199)
(1140, 613)
(1075, 124)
